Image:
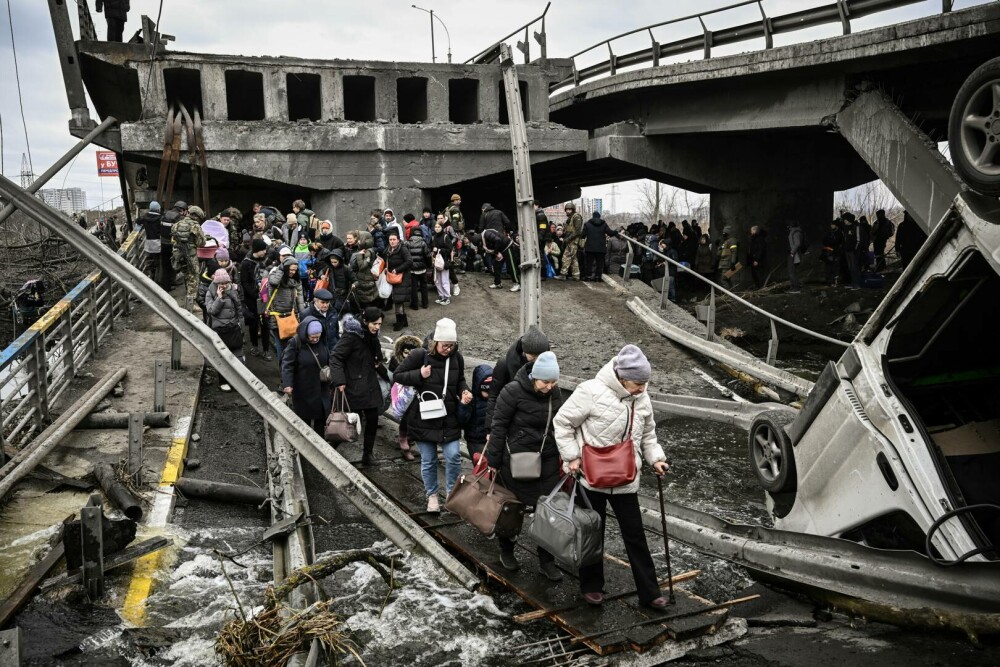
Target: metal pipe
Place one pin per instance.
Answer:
(116, 492)
(61, 162)
(383, 513)
(756, 309)
(120, 420)
(221, 491)
(26, 460)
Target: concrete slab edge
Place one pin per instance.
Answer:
(732, 629)
(144, 571)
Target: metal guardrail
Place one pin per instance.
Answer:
(38, 365)
(772, 347)
(841, 11)
(492, 52)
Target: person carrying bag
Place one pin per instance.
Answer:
(342, 425)
(573, 535)
(606, 413)
(488, 507)
(522, 447)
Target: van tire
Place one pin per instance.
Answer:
(772, 457)
(974, 130)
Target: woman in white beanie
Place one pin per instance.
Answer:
(603, 412)
(438, 369)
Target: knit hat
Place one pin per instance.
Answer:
(154, 206)
(314, 328)
(222, 255)
(486, 384)
(446, 331)
(221, 277)
(325, 225)
(323, 295)
(291, 218)
(534, 341)
(285, 251)
(631, 364)
(257, 245)
(456, 198)
(545, 368)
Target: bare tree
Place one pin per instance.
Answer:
(866, 199)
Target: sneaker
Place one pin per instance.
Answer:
(438, 301)
(268, 356)
(560, 277)
(495, 286)
(433, 505)
(456, 290)
(516, 288)
(550, 571)
(445, 302)
(594, 599)
(225, 387)
(509, 561)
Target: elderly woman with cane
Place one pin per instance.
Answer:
(605, 429)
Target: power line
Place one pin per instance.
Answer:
(17, 76)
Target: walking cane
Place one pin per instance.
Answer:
(666, 539)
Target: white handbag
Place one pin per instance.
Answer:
(434, 408)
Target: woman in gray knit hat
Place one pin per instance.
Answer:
(603, 412)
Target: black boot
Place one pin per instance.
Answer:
(406, 322)
(398, 324)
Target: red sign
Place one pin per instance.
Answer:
(107, 163)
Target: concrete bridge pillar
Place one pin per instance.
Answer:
(772, 210)
(349, 209)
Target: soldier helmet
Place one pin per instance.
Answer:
(570, 206)
(196, 211)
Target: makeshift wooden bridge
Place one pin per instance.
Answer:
(620, 625)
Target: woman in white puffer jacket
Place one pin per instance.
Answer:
(598, 413)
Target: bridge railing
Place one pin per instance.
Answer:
(841, 11)
(38, 365)
(708, 316)
(492, 52)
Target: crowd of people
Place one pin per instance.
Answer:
(331, 357)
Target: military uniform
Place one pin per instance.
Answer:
(455, 217)
(572, 232)
(187, 236)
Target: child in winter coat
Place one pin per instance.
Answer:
(475, 427)
(400, 350)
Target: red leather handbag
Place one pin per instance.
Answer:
(613, 466)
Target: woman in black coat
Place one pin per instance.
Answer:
(398, 262)
(357, 364)
(424, 370)
(595, 234)
(301, 360)
(522, 422)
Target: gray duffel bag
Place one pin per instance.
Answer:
(572, 534)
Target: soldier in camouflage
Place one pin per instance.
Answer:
(187, 237)
(454, 214)
(573, 234)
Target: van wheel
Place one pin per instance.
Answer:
(974, 129)
(771, 455)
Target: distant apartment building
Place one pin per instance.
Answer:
(67, 200)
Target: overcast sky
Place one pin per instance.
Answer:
(377, 29)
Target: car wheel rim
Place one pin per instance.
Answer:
(767, 454)
(980, 132)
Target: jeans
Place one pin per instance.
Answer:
(277, 344)
(793, 278)
(428, 465)
(672, 288)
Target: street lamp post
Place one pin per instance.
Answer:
(447, 34)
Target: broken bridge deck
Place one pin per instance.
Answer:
(402, 483)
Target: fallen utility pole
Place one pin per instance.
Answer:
(357, 489)
(25, 461)
(100, 420)
(531, 286)
(116, 492)
(221, 491)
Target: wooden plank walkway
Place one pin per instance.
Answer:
(401, 482)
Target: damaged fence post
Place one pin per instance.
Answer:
(159, 386)
(772, 345)
(135, 424)
(710, 320)
(175, 351)
(92, 547)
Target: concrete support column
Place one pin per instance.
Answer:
(275, 95)
(349, 209)
(489, 99)
(156, 96)
(213, 93)
(771, 210)
(437, 99)
(386, 105)
(332, 94)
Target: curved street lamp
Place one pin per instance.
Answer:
(447, 34)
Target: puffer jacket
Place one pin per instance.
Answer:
(226, 310)
(420, 253)
(361, 265)
(444, 429)
(356, 364)
(504, 371)
(398, 261)
(521, 421)
(598, 413)
(475, 428)
(287, 298)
